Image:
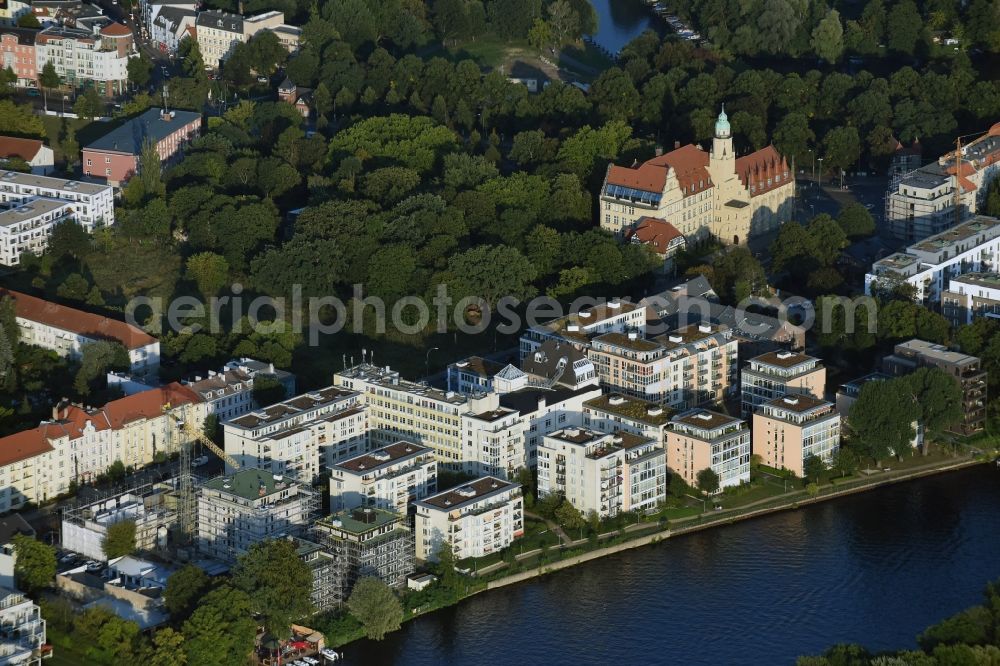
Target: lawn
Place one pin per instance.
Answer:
(86, 131)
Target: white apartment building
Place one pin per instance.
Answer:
(545, 410)
(579, 327)
(81, 442)
(229, 392)
(390, 478)
(694, 365)
(401, 409)
(150, 9)
(971, 295)
(22, 641)
(778, 373)
(922, 202)
(478, 518)
(790, 429)
(219, 32)
(301, 435)
(66, 330)
(928, 266)
(27, 228)
(608, 473)
(493, 442)
(247, 507)
(700, 439)
(614, 412)
(151, 508)
(80, 55)
(170, 26)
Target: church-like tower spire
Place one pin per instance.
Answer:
(722, 144)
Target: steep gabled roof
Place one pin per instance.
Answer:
(689, 164)
(763, 170)
(655, 232)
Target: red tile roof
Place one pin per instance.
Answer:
(759, 167)
(115, 30)
(77, 321)
(26, 149)
(689, 164)
(73, 419)
(655, 232)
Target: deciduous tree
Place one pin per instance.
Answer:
(376, 606)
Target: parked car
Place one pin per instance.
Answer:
(33, 92)
(262, 79)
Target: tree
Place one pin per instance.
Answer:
(89, 105)
(167, 649)
(184, 589)
(209, 271)
(938, 396)
(828, 37)
(564, 23)
(882, 418)
(35, 567)
(844, 462)
(119, 539)
(140, 70)
(842, 147)
(151, 169)
(792, 244)
(266, 52)
(813, 468)
(490, 272)
(708, 480)
(904, 26)
(445, 567)
(540, 36)
(267, 390)
(827, 239)
(96, 358)
(221, 630)
(614, 95)
(376, 606)
(48, 80)
(277, 581)
(569, 516)
(856, 221)
(28, 20)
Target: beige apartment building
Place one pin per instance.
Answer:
(694, 365)
(790, 429)
(608, 473)
(700, 439)
(701, 193)
(477, 518)
(388, 478)
(778, 373)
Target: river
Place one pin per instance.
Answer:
(620, 21)
(875, 568)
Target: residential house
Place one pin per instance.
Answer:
(790, 429)
(38, 156)
(389, 478)
(701, 439)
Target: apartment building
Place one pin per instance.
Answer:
(368, 542)
(401, 409)
(701, 193)
(965, 369)
(17, 53)
(971, 295)
(83, 56)
(301, 435)
(577, 328)
(790, 429)
(389, 478)
(80, 442)
(608, 473)
(11, 10)
(249, 506)
(218, 32)
(151, 508)
(928, 200)
(475, 375)
(493, 442)
(229, 392)
(775, 374)
(613, 412)
(545, 410)
(555, 363)
(691, 366)
(325, 572)
(116, 155)
(700, 439)
(22, 639)
(27, 228)
(171, 26)
(928, 266)
(477, 518)
(92, 205)
(151, 9)
(66, 330)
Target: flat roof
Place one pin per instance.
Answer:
(979, 279)
(351, 521)
(687, 335)
(784, 359)
(526, 400)
(290, 407)
(955, 234)
(935, 351)
(247, 483)
(32, 180)
(636, 343)
(706, 419)
(383, 457)
(467, 493)
(31, 209)
(631, 408)
(797, 403)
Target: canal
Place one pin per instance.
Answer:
(875, 568)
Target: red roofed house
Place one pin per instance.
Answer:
(39, 157)
(701, 193)
(81, 442)
(65, 330)
(660, 235)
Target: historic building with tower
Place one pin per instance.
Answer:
(702, 193)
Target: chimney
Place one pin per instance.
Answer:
(658, 151)
(541, 402)
(677, 144)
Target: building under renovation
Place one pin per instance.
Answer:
(367, 542)
(243, 508)
(152, 507)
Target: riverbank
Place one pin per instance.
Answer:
(537, 563)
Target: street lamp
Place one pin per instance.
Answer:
(814, 164)
(820, 172)
(427, 363)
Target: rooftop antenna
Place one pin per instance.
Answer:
(345, 361)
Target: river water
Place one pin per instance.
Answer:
(876, 568)
(620, 21)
